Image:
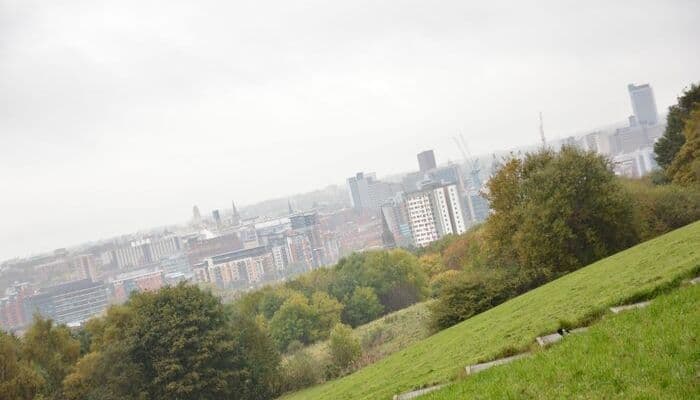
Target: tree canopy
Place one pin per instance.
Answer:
(673, 138)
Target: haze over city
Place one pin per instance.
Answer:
(119, 116)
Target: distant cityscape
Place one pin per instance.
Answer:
(238, 250)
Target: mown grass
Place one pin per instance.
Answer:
(642, 271)
(652, 353)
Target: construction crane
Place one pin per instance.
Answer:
(462, 146)
(544, 141)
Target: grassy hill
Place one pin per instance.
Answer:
(650, 353)
(633, 274)
(391, 333)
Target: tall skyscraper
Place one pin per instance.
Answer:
(196, 216)
(235, 216)
(216, 215)
(426, 161)
(643, 104)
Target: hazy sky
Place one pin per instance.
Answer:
(117, 116)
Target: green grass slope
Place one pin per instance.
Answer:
(652, 353)
(631, 274)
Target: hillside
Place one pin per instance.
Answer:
(388, 334)
(632, 274)
(647, 353)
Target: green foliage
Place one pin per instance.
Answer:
(672, 140)
(555, 212)
(18, 379)
(52, 350)
(432, 264)
(440, 281)
(328, 311)
(396, 277)
(662, 208)
(466, 251)
(473, 292)
(295, 320)
(179, 342)
(685, 168)
(300, 370)
(344, 348)
(362, 307)
(306, 308)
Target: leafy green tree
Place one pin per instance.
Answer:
(554, 212)
(328, 311)
(182, 341)
(396, 277)
(344, 348)
(685, 168)
(271, 301)
(18, 379)
(295, 320)
(672, 140)
(362, 307)
(52, 350)
(108, 374)
(179, 343)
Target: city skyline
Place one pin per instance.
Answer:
(189, 125)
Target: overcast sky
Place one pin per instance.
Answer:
(117, 116)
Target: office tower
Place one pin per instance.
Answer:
(366, 192)
(196, 216)
(434, 212)
(643, 104)
(235, 216)
(426, 161)
(216, 216)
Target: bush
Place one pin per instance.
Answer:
(375, 337)
(344, 349)
(473, 292)
(661, 208)
(300, 370)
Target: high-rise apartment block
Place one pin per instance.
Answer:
(434, 212)
(142, 252)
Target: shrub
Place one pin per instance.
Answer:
(344, 349)
(661, 208)
(300, 370)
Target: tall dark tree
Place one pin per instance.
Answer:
(685, 168)
(672, 140)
